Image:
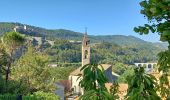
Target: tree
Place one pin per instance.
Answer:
(164, 63)
(142, 86)
(93, 82)
(3, 62)
(158, 15)
(11, 41)
(4, 57)
(61, 73)
(120, 68)
(33, 73)
(127, 74)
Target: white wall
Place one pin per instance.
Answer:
(75, 84)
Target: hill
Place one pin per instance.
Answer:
(105, 48)
(77, 36)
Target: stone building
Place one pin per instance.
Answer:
(149, 67)
(86, 60)
(85, 50)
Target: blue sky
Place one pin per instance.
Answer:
(102, 17)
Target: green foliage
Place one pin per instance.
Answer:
(12, 85)
(61, 73)
(8, 97)
(105, 49)
(164, 63)
(119, 68)
(96, 95)
(125, 71)
(2, 83)
(93, 75)
(60, 41)
(35, 96)
(60, 34)
(43, 96)
(108, 49)
(142, 86)
(12, 40)
(93, 82)
(104, 52)
(6, 27)
(32, 71)
(125, 55)
(4, 57)
(158, 15)
(64, 52)
(114, 89)
(126, 75)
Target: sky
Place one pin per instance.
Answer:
(101, 17)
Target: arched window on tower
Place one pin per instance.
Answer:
(85, 54)
(86, 43)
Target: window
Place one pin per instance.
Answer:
(139, 65)
(85, 54)
(149, 66)
(86, 43)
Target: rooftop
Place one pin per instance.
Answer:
(77, 72)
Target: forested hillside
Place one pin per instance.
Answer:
(44, 48)
(71, 35)
(103, 52)
(105, 49)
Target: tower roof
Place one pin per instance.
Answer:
(85, 39)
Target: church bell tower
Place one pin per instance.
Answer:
(85, 50)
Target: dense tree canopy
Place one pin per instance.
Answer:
(32, 71)
(158, 15)
(11, 42)
(142, 86)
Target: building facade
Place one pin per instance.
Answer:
(85, 50)
(149, 67)
(86, 60)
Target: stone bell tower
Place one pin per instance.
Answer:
(85, 50)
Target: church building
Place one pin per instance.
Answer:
(86, 60)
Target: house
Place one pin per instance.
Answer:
(86, 60)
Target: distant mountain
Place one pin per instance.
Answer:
(121, 39)
(161, 45)
(77, 36)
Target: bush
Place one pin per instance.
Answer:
(43, 96)
(35, 96)
(8, 97)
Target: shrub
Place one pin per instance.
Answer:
(44, 96)
(8, 97)
(35, 96)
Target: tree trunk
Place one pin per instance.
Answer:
(7, 76)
